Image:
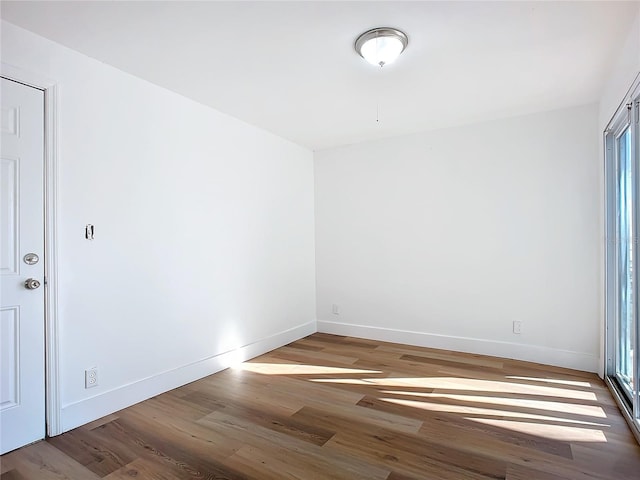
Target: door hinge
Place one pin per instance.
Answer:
(637, 104)
(45, 281)
(629, 113)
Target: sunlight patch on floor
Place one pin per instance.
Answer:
(555, 432)
(347, 381)
(468, 410)
(467, 384)
(561, 407)
(298, 369)
(573, 383)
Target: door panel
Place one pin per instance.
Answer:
(22, 389)
(9, 215)
(9, 350)
(625, 204)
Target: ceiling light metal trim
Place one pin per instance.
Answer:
(388, 32)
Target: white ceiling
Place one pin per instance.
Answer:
(290, 67)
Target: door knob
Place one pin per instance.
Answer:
(31, 284)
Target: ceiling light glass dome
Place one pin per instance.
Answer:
(381, 46)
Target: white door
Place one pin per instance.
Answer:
(22, 390)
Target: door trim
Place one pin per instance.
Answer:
(52, 371)
(632, 116)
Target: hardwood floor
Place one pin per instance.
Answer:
(330, 407)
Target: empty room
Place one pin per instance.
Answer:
(378, 240)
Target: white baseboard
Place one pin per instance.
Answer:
(518, 351)
(87, 410)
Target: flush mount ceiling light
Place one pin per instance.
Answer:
(381, 46)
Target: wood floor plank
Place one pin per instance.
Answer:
(278, 460)
(308, 432)
(90, 451)
(446, 429)
(290, 390)
(618, 460)
(153, 432)
(384, 439)
(12, 475)
(304, 346)
(336, 407)
(294, 353)
(334, 464)
(147, 468)
(375, 449)
(42, 461)
(255, 467)
(519, 472)
(442, 360)
(197, 454)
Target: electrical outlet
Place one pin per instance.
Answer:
(517, 327)
(335, 309)
(91, 377)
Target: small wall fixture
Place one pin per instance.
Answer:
(381, 46)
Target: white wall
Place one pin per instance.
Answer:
(625, 66)
(204, 233)
(444, 238)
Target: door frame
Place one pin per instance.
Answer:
(627, 112)
(52, 372)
